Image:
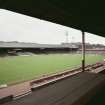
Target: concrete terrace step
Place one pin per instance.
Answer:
(74, 90)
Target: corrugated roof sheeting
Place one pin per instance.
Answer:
(34, 45)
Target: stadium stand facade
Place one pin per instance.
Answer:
(15, 48)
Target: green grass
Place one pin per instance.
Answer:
(20, 68)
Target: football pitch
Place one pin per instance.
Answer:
(21, 68)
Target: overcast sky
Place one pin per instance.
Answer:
(18, 27)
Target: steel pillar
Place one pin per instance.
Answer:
(83, 51)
